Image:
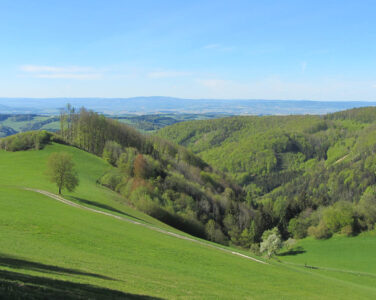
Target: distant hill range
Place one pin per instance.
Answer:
(158, 105)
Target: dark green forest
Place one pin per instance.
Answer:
(307, 175)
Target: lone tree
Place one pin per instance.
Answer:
(271, 242)
(60, 170)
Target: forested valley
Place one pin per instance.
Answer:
(229, 180)
(307, 175)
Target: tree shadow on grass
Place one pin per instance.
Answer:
(294, 251)
(24, 286)
(103, 206)
(18, 263)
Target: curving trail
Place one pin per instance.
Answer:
(179, 236)
(341, 159)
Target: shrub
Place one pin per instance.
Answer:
(298, 227)
(271, 242)
(347, 230)
(111, 179)
(255, 249)
(320, 231)
(289, 244)
(341, 214)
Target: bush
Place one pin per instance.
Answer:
(271, 242)
(255, 249)
(289, 244)
(298, 228)
(111, 179)
(320, 231)
(347, 230)
(340, 215)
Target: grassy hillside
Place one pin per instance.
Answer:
(351, 258)
(299, 171)
(90, 167)
(49, 247)
(355, 254)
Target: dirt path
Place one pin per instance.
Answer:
(179, 236)
(341, 159)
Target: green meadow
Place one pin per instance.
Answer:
(349, 258)
(50, 248)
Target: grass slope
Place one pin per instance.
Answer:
(355, 254)
(348, 258)
(48, 247)
(89, 167)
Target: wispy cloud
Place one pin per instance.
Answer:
(167, 74)
(304, 66)
(69, 72)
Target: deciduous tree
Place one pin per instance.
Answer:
(60, 170)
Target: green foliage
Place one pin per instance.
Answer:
(298, 227)
(289, 244)
(367, 207)
(140, 167)
(25, 141)
(126, 159)
(112, 152)
(291, 166)
(361, 115)
(112, 179)
(271, 242)
(338, 216)
(60, 170)
(321, 231)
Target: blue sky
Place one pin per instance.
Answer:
(318, 50)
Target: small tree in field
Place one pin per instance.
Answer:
(271, 242)
(60, 170)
